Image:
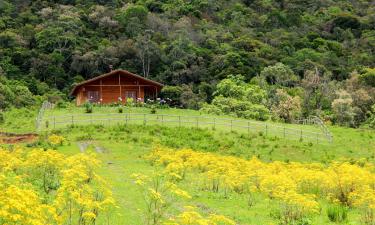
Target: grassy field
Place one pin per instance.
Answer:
(121, 148)
(125, 146)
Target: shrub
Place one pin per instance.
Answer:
(62, 104)
(120, 109)
(130, 101)
(337, 213)
(88, 107)
(153, 109)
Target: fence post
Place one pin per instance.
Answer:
(91, 119)
(284, 132)
(72, 119)
(144, 119)
(162, 119)
(301, 134)
(248, 128)
(54, 122)
(179, 121)
(317, 138)
(214, 123)
(197, 122)
(231, 125)
(266, 129)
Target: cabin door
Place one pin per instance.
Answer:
(131, 94)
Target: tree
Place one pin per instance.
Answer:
(368, 77)
(279, 74)
(146, 51)
(342, 108)
(286, 108)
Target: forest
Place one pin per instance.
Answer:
(257, 59)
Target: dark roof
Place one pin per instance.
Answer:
(122, 72)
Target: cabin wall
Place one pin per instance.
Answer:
(109, 90)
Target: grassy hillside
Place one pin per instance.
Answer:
(124, 148)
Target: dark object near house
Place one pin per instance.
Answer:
(116, 87)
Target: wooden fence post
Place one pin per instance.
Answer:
(126, 119)
(197, 122)
(284, 132)
(144, 119)
(231, 125)
(72, 120)
(266, 129)
(248, 128)
(214, 123)
(301, 134)
(162, 119)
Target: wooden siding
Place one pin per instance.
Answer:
(110, 88)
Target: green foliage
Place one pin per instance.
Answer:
(236, 97)
(337, 213)
(173, 93)
(368, 77)
(13, 93)
(50, 45)
(279, 74)
(88, 107)
(2, 118)
(153, 109)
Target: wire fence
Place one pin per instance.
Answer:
(314, 120)
(247, 126)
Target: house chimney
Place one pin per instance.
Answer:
(110, 68)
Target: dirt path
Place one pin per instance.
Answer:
(11, 138)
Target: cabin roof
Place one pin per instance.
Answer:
(121, 72)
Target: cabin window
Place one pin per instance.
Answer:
(131, 94)
(93, 96)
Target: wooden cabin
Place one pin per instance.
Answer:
(116, 86)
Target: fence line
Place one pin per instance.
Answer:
(54, 122)
(315, 120)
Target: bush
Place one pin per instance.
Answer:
(173, 93)
(337, 213)
(130, 101)
(120, 109)
(62, 104)
(153, 109)
(88, 107)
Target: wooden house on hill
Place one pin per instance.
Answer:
(116, 86)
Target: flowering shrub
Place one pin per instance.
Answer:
(190, 216)
(159, 192)
(56, 139)
(46, 187)
(296, 186)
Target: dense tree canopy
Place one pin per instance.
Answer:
(60, 42)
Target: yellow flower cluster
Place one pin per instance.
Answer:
(297, 186)
(56, 139)
(190, 216)
(46, 187)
